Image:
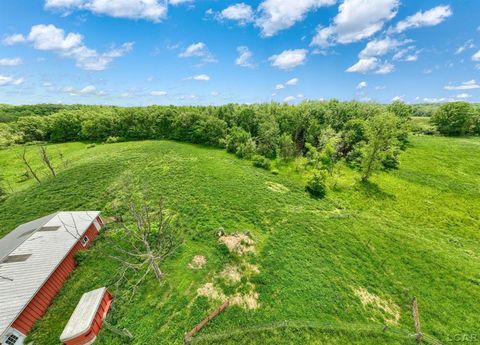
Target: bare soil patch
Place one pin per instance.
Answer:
(198, 261)
(390, 310)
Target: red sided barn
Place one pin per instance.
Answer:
(35, 260)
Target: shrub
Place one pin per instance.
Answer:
(247, 149)
(286, 147)
(316, 184)
(262, 162)
(112, 140)
(454, 118)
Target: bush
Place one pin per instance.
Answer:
(286, 147)
(454, 118)
(113, 140)
(262, 162)
(316, 184)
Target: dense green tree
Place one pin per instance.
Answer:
(286, 147)
(454, 118)
(268, 137)
(381, 141)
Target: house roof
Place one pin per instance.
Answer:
(31, 253)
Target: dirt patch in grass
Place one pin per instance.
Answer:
(211, 291)
(390, 311)
(238, 243)
(276, 187)
(248, 300)
(251, 268)
(198, 261)
(231, 274)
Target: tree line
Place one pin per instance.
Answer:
(366, 136)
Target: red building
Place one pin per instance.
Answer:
(87, 319)
(35, 260)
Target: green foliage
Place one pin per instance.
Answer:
(8, 136)
(400, 109)
(32, 128)
(381, 143)
(454, 118)
(66, 126)
(268, 137)
(262, 162)
(112, 140)
(316, 184)
(286, 147)
(240, 142)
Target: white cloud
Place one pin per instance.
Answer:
(51, 38)
(381, 47)
(87, 90)
(364, 65)
(289, 99)
(411, 58)
(215, 93)
(199, 77)
(467, 45)
(7, 80)
(466, 85)
(436, 100)
(464, 96)
(433, 16)
(371, 64)
(279, 87)
(406, 54)
(293, 81)
(362, 85)
(476, 56)
(356, 20)
(200, 50)
(385, 68)
(277, 15)
(13, 39)
(244, 58)
(158, 93)
(289, 59)
(179, 2)
(10, 62)
(152, 10)
(397, 98)
(241, 12)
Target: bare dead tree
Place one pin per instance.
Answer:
(46, 160)
(65, 162)
(24, 159)
(143, 236)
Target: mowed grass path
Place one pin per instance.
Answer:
(412, 232)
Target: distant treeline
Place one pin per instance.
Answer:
(269, 130)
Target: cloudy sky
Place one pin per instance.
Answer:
(139, 52)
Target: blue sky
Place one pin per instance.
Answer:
(140, 52)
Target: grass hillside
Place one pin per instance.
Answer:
(321, 271)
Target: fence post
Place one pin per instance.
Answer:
(416, 318)
(188, 336)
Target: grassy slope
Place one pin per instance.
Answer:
(413, 232)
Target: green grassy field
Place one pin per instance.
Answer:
(330, 271)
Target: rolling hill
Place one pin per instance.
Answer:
(336, 270)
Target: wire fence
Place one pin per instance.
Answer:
(354, 328)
